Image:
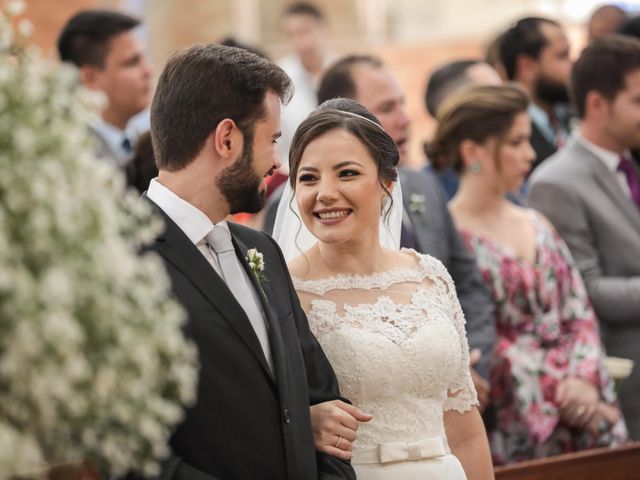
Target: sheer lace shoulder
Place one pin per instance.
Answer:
(427, 266)
(396, 340)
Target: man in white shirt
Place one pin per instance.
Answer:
(591, 193)
(305, 27)
(111, 59)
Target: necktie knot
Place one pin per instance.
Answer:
(633, 179)
(220, 239)
(126, 146)
(625, 165)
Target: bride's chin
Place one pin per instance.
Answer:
(331, 239)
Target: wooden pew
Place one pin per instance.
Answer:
(620, 463)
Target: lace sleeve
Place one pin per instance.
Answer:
(461, 392)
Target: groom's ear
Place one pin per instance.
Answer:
(227, 139)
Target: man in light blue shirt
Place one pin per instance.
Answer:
(111, 59)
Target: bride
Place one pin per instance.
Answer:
(388, 319)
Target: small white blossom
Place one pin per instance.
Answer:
(256, 262)
(25, 28)
(15, 7)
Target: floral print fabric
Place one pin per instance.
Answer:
(546, 332)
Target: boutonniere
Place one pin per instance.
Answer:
(256, 263)
(416, 203)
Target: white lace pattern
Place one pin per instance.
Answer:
(398, 345)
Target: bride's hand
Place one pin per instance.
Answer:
(335, 426)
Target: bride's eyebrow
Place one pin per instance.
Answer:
(346, 164)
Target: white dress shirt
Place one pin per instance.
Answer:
(192, 221)
(114, 138)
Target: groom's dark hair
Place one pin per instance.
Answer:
(203, 85)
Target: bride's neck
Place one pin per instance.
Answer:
(360, 256)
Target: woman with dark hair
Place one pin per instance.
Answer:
(550, 392)
(388, 319)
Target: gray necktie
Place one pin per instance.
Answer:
(219, 240)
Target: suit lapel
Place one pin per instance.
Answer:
(264, 293)
(543, 147)
(603, 177)
(178, 250)
(418, 219)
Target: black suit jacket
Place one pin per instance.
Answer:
(247, 423)
(543, 147)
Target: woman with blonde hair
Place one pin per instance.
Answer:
(550, 392)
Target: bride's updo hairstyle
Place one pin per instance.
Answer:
(350, 116)
(477, 113)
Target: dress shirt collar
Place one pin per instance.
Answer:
(113, 136)
(610, 159)
(192, 221)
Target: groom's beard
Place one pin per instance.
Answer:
(240, 185)
(551, 91)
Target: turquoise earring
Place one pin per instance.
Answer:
(475, 168)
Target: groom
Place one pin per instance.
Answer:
(215, 120)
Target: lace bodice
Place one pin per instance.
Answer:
(397, 343)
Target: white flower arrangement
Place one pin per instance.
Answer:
(93, 363)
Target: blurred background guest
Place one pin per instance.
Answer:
(535, 54)
(305, 28)
(605, 20)
(591, 193)
(111, 60)
(550, 392)
(443, 82)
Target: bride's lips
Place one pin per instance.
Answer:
(332, 216)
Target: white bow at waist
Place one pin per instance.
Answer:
(402, 451)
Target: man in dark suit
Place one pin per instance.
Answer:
(215, 119)
(535, 54)
(591, 193)
(428, 226)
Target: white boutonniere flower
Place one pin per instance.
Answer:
(416, 203)
(256, 263)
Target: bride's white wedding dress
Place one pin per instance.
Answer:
(397, 342)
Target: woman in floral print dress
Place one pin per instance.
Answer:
(550, 392)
